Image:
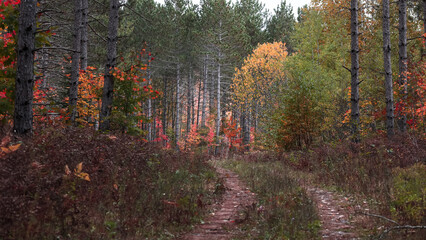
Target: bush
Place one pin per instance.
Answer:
(136, 189)
(409, 194)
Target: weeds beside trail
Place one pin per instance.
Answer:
(136, 189)
(283, 211)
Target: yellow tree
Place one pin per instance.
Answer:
(253, 83)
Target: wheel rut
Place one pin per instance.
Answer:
(225, 216)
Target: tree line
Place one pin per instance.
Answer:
(179, 71)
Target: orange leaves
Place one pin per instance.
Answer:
(78, 172)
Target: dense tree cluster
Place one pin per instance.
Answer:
(179, 71)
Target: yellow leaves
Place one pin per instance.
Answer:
(260, 71)
(78, 172)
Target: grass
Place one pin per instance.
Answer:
(283, 210)
(136, 190)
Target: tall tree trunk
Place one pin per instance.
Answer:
(388, 70)
(203, 112)
(84, 34)
(354, 72)
(198, 104)
(108, 90)
(218, 106)
(188, 107)
(402, 121)
(177, 124)
(246, 128)
(75, 66)
(165, 104)
(23, 116)
(211, 93)
(150, 125)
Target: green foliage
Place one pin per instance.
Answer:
(409, 194)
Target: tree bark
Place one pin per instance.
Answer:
(165, 104)
(108, 90)
(189, 104)
(84, 34)
(177, 124)
(150, 124)
(198, 104)
(388, 70)
(75, 65)
(402, 121)
(203, 112)
(354, 72)
(23, 115)
(218, 106)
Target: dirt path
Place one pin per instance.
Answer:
(335, 213)
(228, 213)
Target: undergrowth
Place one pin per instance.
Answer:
(388, 173)
(136, 189)
(283, 211)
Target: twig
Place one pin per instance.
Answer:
(399, 228)
(379, 216)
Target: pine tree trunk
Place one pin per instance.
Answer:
(198, 104)
(23, 115)
(402, 121)
(177, 124)
(150, 127)
(218, 107)
(388, 70)
(188, 107)
(75, 66)
(203, 113)
(108, 90)
(165, 105)
(354, 72)
(84, 34)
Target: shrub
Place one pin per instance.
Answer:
(409, 194)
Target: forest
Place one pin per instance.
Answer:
(213, 119)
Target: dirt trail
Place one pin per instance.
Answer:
(334, 213)
(227, 214)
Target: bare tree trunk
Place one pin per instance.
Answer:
(403, 60)
(177, 124)
(354, 72)
(165, 105)
(75, 66)
(23, 115)
(203, 112)
(84, 34)
(218, 107)
(198, 104)
(150, 127)
(246, 128)
(189, 104)
(388, 70)
(108, 90)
